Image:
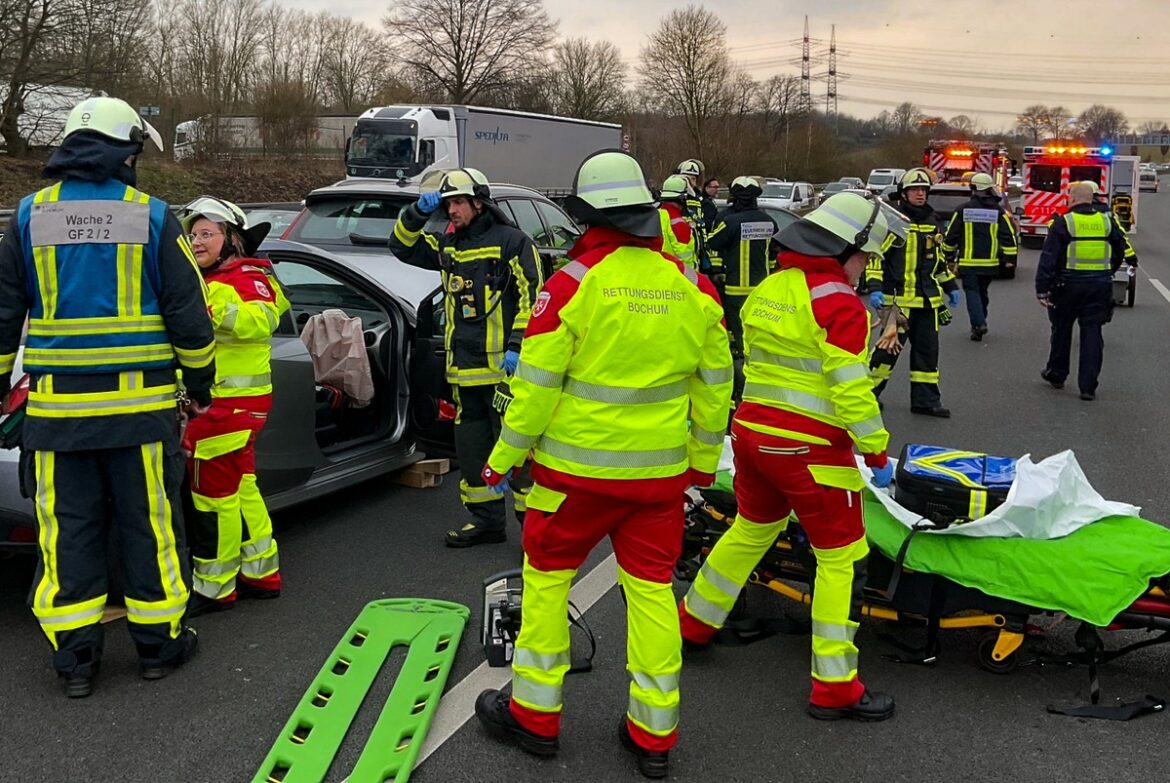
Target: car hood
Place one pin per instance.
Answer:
(409, 285)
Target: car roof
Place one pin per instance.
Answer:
(369, 186)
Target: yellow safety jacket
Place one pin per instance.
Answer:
(625, 371)
(674, 224)
(245, 302)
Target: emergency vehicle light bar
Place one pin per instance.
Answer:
(1070, 151)
(959, 153)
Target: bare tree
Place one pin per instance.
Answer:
(588, 79)
(469, 47)
(1153, 127)
(778, 98)
(1033, 121)
(685, 63)
(24, 27)
(1057, 122)
(905, 118)
(1100, 123)
(354, 63)
(964, 125)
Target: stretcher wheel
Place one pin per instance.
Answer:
(987, 660)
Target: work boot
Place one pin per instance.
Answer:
(870, 708)
(1088, 396)
(263, 589)
(77, 670)
(937, 411)
(977, 333)
(156, 661)
(77, 686)
(472, 534)
(200, 604)
(1047, 376)
(651, 763)
(493, 708)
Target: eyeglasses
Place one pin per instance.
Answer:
(713, 186)
(204, 236)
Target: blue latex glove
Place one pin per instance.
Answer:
(875, 300)
(511, 359)
(496, 482)
(954, 298)
(428, 202)
(883, 476)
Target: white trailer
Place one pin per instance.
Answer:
(247, 136)
(539, 151)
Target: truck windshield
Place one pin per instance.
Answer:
(1044, 178)
(777, 191)
(373, 147)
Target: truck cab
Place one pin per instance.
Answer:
(402, 142)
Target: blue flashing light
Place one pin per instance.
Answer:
(1106, 150)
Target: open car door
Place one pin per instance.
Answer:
(432, 406)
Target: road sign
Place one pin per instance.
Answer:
(149, 111)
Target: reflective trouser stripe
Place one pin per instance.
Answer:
(923, 377)
(834, 655)
(712, 596)
(469, 494)
(148, 612)
(259, 555)
(216, 577)
(541, 659)
(48, 535)
(162, 525)
(68, 617)
(653, 653)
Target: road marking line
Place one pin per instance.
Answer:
(458, 704)
(1165, 292)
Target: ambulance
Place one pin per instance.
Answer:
(1050, 168)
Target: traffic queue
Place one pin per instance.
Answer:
(597, 396)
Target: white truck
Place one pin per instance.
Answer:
(536, 150)
(246, 136)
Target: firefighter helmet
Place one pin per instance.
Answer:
(690, 168)
(227, 214)
(746, 186)
(674, 187)
(464, 182)
(846, 223)
(610, 190)
(113, 118)
(1093, 186)
(982, 181)
(915, 178)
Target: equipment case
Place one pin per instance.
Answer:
(949, 486)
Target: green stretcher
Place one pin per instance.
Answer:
(309, 741)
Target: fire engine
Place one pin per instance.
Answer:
(1048, 170)
(951, 160)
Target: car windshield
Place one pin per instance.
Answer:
(337, 221)
(1149, 175)
(835, 187)
(879, 180)
(777, 191)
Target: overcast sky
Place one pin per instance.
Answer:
(987, 58)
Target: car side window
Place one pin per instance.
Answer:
(311, 291)
(529, 221)
(561, 229)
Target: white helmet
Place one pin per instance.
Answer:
(221, 211)
(112, 118)
(846, 221)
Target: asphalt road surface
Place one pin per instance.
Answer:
(743, 719)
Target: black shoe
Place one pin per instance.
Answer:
(255, 592)
(77, 685)
(651, 763)
(472, 534)
(937, 411)
(976, 335)
(870, 708)
(1049, 379)
(1088, 396)
(200, 604)
(492, 709)
(158, 663)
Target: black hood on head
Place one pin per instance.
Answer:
(93, 157)
(640, 221)
(811, 240)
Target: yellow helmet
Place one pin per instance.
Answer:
(862, 223)
(610, 190)
(674, 187)
(982, 181)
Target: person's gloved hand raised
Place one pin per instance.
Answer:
(511, 361)
(954, 298)
(428, 202)
(883, 476)
(875, 300)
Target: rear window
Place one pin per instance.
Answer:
(1148, 176)
(835, 187)
(1085, 173)
(777, 191)
(331, 221)
(881, 180)
(1045, 178)
(946, 203)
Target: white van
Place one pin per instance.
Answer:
(880, 179)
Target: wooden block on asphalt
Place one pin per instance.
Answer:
(113, 613)
(410, 477)
(435, 466)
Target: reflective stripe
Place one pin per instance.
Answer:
(799, 399)
(850, 372)
(71, 616)
(404, 234)
(657, 719)
(846, 219)
(543, 661)
(625, 395)
(245, 381)
(230, 313)
(863, 429)
(535, 375)
(575, 270)
(162, 524)
(791, 362)
(719, 581)
(826, 289)
(262, 567)
(690, 274)
(526, 691)
(611, 458)
(7, 362)
(834, 632)
(516, 440)
(208, 568)
(154, 611)
(470, 494)
(836, 667)
(923, 377)
(47, 327)
(602, 186)
(213, 590)
(257, 547)
(716, 375)
(655, 682)
(706, 611)
(81, 357)
(48, 403)
(709, 437)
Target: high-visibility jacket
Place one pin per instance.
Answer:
(979, 234)
(807, 335)
(491, 273)
(625, 372)
(694, 213)
(678, 239)
(114, 303)
(1084, 245)
(914, 275)
(245, 302)
(742, 241)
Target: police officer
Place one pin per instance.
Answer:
(678, 235)
(491, 274)
(114, 305)
(979, 236)
(622, 394)
(742, 241)
(915, 278)
(807, 402)
(1074, 280)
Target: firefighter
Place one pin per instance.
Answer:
(491, 274)
(622, 393)
(114, 305)
(692, 170)
(915, 278)
(980, 236)
(742, 241)
(678, 237)
(232, 545)
(1074, 280)
(808, 399)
